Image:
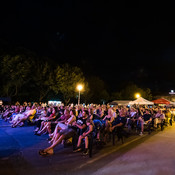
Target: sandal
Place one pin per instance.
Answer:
(44, 153)
(38, 133)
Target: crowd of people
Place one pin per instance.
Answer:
(75, 124)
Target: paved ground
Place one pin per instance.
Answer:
(151, 154)
(154, 156)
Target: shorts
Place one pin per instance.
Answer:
(68, 133)
(62, 126)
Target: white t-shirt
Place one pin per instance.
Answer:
(65, 126)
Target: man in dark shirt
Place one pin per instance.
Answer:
(146, 119)
(120, 120)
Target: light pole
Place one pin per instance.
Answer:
(79, 87)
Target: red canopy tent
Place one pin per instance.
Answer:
(161, 101)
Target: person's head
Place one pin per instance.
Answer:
(17, 109)
(85, 113)
(66, 112)
(39, 107)
(49, 110)
(90, 111)
(72, 112)
(159, 111)
(54, 110)
(28, 108)
(33, 107)
(110, 112)
(123, 112)
(147, 111)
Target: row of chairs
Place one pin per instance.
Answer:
(119, 132)
(122, 132)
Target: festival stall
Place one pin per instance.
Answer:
(162, 102)
(141, 101)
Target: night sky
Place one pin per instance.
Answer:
(113, 41)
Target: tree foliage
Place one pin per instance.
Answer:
(16, 73)
(43, 79)
(24, 76)
(98, 92)
(30, 77)
(129, 91)
(66, 80)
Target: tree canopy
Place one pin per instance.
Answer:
(25, 76)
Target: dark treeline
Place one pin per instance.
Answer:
(25, 76)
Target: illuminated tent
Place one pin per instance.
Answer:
(162, 101)
(141, 101)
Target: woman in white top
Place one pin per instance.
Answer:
(63, 126)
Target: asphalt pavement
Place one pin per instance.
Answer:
(148, 154)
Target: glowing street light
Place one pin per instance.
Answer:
(137, 95)
(79, 88)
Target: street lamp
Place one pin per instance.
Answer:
(137, 95)
(79, 88)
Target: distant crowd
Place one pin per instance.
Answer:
(77, 124)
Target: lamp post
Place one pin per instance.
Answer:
(79, 87)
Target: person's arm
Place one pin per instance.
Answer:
(104, 117)
(80, 127)
(91, 117)
(90, 130)
(101, 115)
(112, 119)
(71, 121)
(141, 113)
(65, 119)
(150, 119)
(119, 124)
(51, 117)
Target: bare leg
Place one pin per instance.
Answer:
(20, 120)
(56, 137)
(61, 138)
(142, 126)
(49, 128)
(44, 128)
(86, 142)
(79, 140)
(42, 125)
(55, 133)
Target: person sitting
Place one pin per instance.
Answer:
(64, 125)
(45, 123)
(107, 121)
(8, 112)
(120, 120)
(24, 116)
(58, 124)
(40, 119)
(159, 117)
(85, 135)
(17, 110)
(66, 134)
(168, 117)
(146, 119)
